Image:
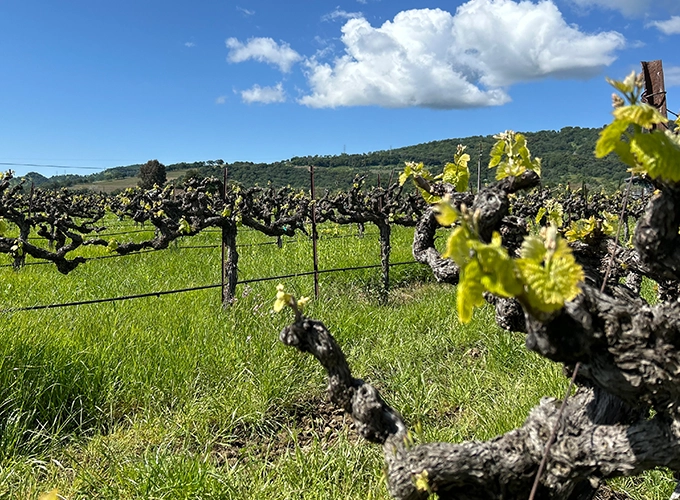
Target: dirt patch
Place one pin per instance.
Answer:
(302, 425)
(309, 422)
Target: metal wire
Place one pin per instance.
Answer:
(191, 289)
(242, 245)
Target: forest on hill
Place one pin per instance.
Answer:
(567, 157)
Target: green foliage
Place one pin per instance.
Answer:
(544, 277)
(511, 155)
(553, 211)
(284, 299)
(413, 169)
(610, 224)
(457, 172)
(594, 227)
(549, 272)
(152, 173)
(581, 229)
(184, 226)
(4, 227)
(645, 149)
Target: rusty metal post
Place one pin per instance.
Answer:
(314, 235)
(479, 169)
(224, 242)
(229, 255)
(655, 89)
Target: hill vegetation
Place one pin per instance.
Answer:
(567, 157)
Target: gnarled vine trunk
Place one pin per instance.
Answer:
(624, 416)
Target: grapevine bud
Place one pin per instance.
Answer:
(617, 101)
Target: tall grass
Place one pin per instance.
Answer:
(176, 397)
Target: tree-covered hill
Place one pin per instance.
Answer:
(567, 157)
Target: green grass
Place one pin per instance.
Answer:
(124, 183)
(176, 397)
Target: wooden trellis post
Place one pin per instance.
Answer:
(655, 89)
(229, 255)
(314, 234)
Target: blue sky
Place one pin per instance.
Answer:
(102, 83)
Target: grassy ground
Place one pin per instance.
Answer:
(175, 397)
(116, 184)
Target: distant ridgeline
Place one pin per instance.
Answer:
(567, 157)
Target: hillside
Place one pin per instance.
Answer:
(567, 157)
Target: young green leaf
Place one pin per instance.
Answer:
(283, 299)
(551, 275)
(457, 173)
(581, 230)
(445, 213)
(184, 226)
(511, 155)
(469, 293)
(657, 155)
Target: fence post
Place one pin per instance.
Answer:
(479, 169)
(314, 235)
(655, 90)
(385, 249)
(229, 254)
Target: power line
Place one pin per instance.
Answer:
(10, 164)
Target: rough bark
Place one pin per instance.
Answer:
(622, 420)
(600, 437)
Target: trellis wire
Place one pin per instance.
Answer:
(196, 288)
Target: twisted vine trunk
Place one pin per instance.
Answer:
(625, 416)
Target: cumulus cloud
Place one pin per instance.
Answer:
(190, 45)
(669, 27)
(340, 14)
(431, 58)
(221, 99)
(263, 50)
(506, 42)
(265, 95)
(671, 76)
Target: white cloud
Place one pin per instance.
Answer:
(340, 14)
(221, 99)
(431, 58)
(671, 76)
(265, 95)
(190, 44)
(669, 27)
(245, 12)
(263, 50)
(507, 42)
